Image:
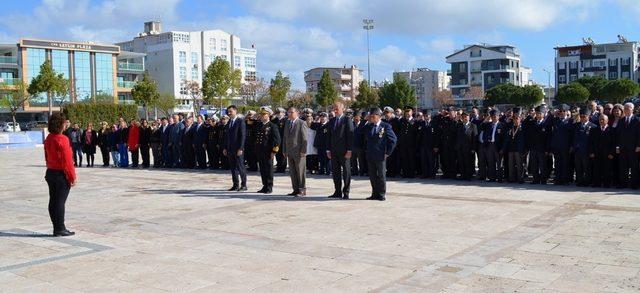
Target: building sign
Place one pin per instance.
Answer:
(574, 52)
(71, 46)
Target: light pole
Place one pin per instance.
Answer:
(368, 25)
(548, 86)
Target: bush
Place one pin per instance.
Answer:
(82, 113)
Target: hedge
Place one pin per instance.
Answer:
(96, 113)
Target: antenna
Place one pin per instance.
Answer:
(588, 41)
(622, 39)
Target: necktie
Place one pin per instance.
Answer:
(335, 126)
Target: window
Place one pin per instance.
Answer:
(613, 62)
(573, 77)
(224, 57)
(613, 75)
(561, 65)
(82, 69)
(104, 74)
(183, 73)
(250, 62)
(625, 74)
(562, 79)
(625, 61)
(212, 43)
(463, 67)
(194, 73)
(35, 58)
(250, 76)
(573, 65)
(194, 57)
(223, 45)
(236, 61)
(182, 57)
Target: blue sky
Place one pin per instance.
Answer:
(293, 36)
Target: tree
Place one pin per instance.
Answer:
(165, 103)
(617, 91)
(278, 88)
(102, 98)
(595, 85)
(506, 93)
(367, 97)
(254, 91)
(220, 81)
(474, 94)
(572, 93)
(530, 95)
(193, 88)
(145, 93)
(49, 82)
(301, 100)
(442, 98)
(397, 94)
(13, 97)
(327, 92)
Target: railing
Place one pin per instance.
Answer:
(476, 70)
(131, 66)
(9, 59)
(127, 102)
(10, 81)
(126, 84)
(501, 67)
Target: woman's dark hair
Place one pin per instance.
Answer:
(56, 123)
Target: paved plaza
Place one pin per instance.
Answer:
(173, 230)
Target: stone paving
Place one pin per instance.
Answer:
(171, 230)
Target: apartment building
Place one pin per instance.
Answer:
(346, 80)
(426, 83)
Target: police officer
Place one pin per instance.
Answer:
(267, 145)
(250, 154)
(280, 119)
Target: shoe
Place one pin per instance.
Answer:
(268, 191)
(335, 196)
(346, 196)
(382, 198)
(234, 188)
(263, 190)
(63, 233)
(373, 197)
(294, 193)
(243, 188)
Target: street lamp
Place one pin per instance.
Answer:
(548, 86)
(368, 25)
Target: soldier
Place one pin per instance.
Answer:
(537, 141)
(392, 160)
(280, 119)
(250, 154)
(514, 148)
(561, 132)
(429, 141)
(360, 151)
(320, 143)
(407, 144)
(602, 148)
(212, 143)
(448, 132)
(466, 145)
(580, 148)
(267, 146)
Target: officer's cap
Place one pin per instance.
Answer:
(225, 117)
(493, 112)
(251, 112)
(564, 107)
(280, 110)
(516, 111)
(307, 111)
(585, 111)
(377, 111)
(464, 114)
(349, 111)
(408, 108)
(386, 109)
(322, 114)
(265, 110)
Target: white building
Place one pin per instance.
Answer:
(426, 83)
(176, 58)
(485, 66)
(610, 61)
(346, 79)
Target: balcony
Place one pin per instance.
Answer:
(476, 70)
(345, 76)
(8, 60)
(131, 66)
(10, 81)
(501, 67)
(126, 84)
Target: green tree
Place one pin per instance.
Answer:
(102, 98)
(617, 91)
(367, 97)
(595, 85)
(279, 88)
(145, 93)
(220, 81)
(397, 94)
(506, 93)
(49, 82)
(327, 92)
(572, 93)
(165, 103)
(13, 97)
(530, 95)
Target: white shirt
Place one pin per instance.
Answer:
(493, 132)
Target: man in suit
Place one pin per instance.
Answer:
(200, 142)
(447, 130)
(580, 148)
(628, 147)
(320, 142)
(514, 149)
(429, 141)
(235, 135)
(561, 133)
(407, 143)
(339, 151)
(167, 125)
(380, 141)
(267, 144)
(466, 145)
(360, 151)
(280, 120)
(537, 140)
(176, 141)
(188, 154)
(393, 168)
(492, 141)
(295, 148)
(250, 154)
(211, 130)
(602, 148)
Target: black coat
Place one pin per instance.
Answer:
(602, 143)
(340, 135)
(89, 147)
(428, 135)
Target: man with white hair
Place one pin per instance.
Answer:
(628, 147)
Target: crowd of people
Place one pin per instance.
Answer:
(597, 145)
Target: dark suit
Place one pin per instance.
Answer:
(537, 140)
(466, 145)
(167, 156)
(561, 135)
(602, 148)
(514, 149)
(188, 154)
(580, 146)
(380, 140)
(361, 155)
(177, 130)
(235, 134)
(281, 160)
(340, 141)
(145, 141)
(407, 146)
(627, 142)
(200, 138)
(492, 141)
(320, 143)
(428, 140)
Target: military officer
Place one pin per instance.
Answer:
(267, 145)
(429, 142)
(250, 153)
(561, 130)
(280, 120)
(407, 143)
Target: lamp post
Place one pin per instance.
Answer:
(548, 86)
(368, 25)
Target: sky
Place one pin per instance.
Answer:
(294, 36)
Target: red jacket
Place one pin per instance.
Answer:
(134, 137)
(57, 154)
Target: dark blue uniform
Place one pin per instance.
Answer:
(380, 141)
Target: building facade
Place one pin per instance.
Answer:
(610, 61)
(426, 83)
(346, 80)
(176, 58)
(484, 66)
(92, 70)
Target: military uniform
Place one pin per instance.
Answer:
(267, 144)
(281, 160)
(448, 131)
(212, 146)
(250, 154)
(429, 141)
(407, 146)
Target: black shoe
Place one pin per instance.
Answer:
(63, 233)
(346, 196)
(268, 191)
(293, 193)
(335, 196)
(263, 190)
(382, 198)
(373, 197)
(234, 188)
(243, 188)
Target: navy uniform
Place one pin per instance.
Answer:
(429, 142)
(380, 141)
(514, 150)
(407, 143)
(602, 149)
(250, 155)
(466, 145)
(580, 148)
(280, 121)
(360, 151)
(267, 144)
(320, 143)
(561, 133)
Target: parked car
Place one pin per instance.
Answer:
(11, 128)
(36, 125)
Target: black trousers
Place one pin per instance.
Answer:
(341, 169)
(448, 162)
(281, 162)
(238, 170)
(58, 191)
(494, 162)
(144, 153)
(628, 164)
(201, 156)
(407, 161)
(466, 163)
(212, 153)
(602, 170)
(176, 155)
(392, 163)
(135, 157)
(355, 168)
(266, 172)
(362, 163)
(156, 150)
(378, 178)
(428, 160)
(561, 166)
(323, 162)
(105, 156)
(250, 155)
(90, 159)
(582, 165)
(538, 161)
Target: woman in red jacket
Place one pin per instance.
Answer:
(61, 175)
(134, 142)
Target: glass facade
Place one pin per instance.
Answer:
(194, 73)
(60, 64)
(104, 74)
(82, 68)
(182, 56)
(183, 73)
(35, 58)
(194, 57)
